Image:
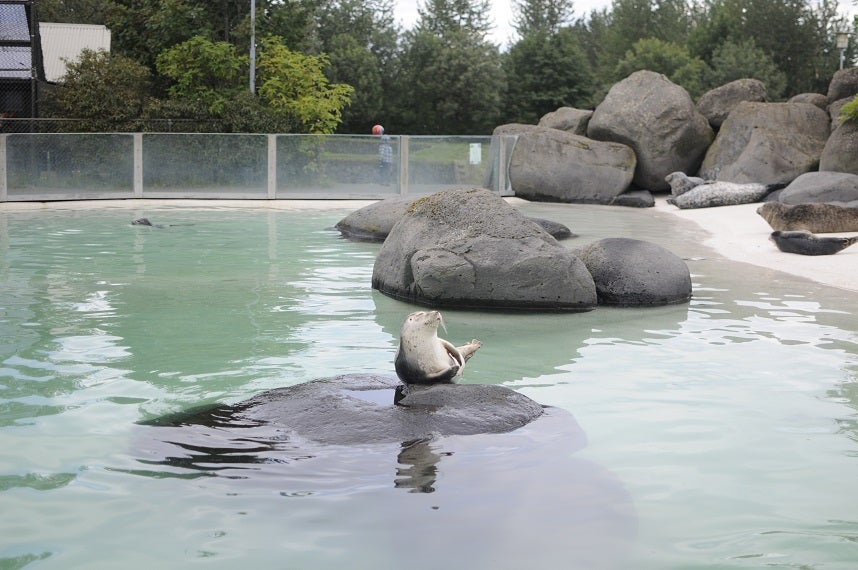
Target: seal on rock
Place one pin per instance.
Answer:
(805, 243)
(422, 357)
(719, 193)
(812, 217)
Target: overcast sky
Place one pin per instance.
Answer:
(405, 12)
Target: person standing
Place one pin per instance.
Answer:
(385, 157)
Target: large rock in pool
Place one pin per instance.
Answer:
(374, 222)
(556, 166)
(767, 143)
(467, 247)
(370, 408)
(659, 120)
(630, 272)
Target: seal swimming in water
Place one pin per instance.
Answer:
(814, 217)
(422, 357)
(805, 243)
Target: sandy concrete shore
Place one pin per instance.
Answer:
(740, 234)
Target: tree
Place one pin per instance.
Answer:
(294, 85)
(541, 16)
(443, 17)
(545, 72)
(205, 71)
(106, 89)
(77, 11)
(732, 61)
(668, 58)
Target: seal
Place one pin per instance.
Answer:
(718, 193)
(422, 357)
(680, 183)
(821, 217)
(805, 243)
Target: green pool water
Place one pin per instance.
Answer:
(722, 433)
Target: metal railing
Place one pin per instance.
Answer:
(91, 166)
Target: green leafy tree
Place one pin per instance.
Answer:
(545, 72)
(731, 61)
(664, 57)
(77, 11)
(106, 89)
(450, 78)
(541, 16)
(293, 85)
(205, 71)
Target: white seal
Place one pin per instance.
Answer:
(422, 357)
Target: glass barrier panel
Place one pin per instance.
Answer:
(337, 166)
(437, 162)
(87, 166)
(196, 165)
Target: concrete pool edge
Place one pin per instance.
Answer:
(737, 233)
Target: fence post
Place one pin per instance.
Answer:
(138, 165)
(403, 164)
(3, 192)
(271, 177)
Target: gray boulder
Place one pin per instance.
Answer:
(834, 111)
(841, 150)
(817, 99)
(374, 222)
(466, 247)
(716, 104)
(634, 199)
(630, 272)
(830, 187)
(843, 84)
(360, 409)
(556, 166)
(567, 119)
(768, 143)
(659, 121)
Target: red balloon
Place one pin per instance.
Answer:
(378, 130)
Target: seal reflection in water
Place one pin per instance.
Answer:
(805, 243)
(423, 358)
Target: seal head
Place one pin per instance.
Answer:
(805, 243)
(422, 357)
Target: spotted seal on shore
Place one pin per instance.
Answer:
(805, 243)
(680, 183)
(422, 357)
(717, 193)
(814, 217)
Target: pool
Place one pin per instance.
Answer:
(717, 434)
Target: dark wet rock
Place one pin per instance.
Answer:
(814, 187)
(370, 408)
(716, 104)
(841, 150)
(555, 166)
(567, 119)
(659, 121)
(817, 99)
(466, 247)
(635, 199)
(374, 222)
(767, 143)
(630, 272)
(843, 84)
